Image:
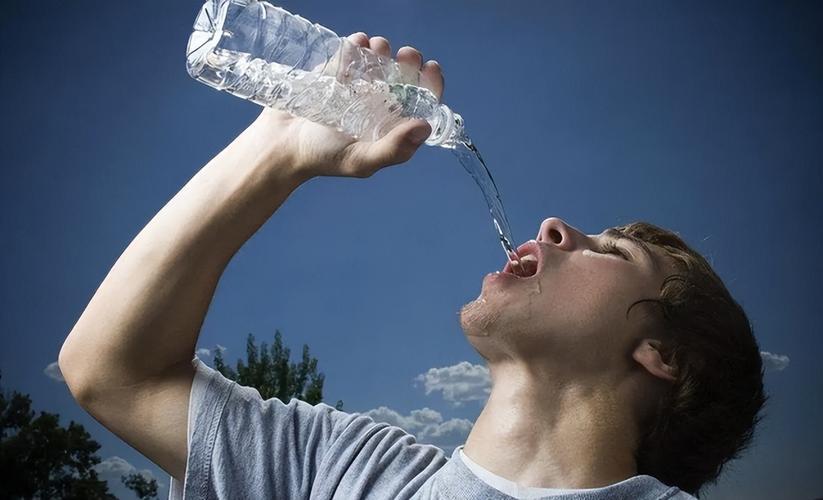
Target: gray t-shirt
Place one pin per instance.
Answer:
(243, 447)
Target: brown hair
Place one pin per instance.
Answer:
(708, 416)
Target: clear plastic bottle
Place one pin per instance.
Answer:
(262, 53)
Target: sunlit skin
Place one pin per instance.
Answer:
(572, 373)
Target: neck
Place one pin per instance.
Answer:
(542, 431)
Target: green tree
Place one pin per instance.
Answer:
(39, 458)
(270, 371)
(144, 488)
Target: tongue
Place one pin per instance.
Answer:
(525, 268)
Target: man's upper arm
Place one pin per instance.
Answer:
(151, 416)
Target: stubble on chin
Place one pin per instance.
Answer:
(478, 318)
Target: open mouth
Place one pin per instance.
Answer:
(529, 258)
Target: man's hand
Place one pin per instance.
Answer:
(318, 150)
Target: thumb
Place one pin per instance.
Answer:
(397, 146)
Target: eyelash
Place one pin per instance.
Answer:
(611, 247)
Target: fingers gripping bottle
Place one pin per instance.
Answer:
(269, 56)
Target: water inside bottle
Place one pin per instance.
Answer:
(469, 156)
(254, 79)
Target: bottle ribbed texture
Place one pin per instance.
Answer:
(269, 56)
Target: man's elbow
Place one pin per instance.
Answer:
(75, 368)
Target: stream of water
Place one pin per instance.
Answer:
(469, 156)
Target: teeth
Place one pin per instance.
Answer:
(527, 266)
(529, 257)
(524, 266)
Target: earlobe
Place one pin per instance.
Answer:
(648, 355)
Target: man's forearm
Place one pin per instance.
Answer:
(146, 315)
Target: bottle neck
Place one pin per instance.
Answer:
(447, 128)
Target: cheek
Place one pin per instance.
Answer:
(591, 295)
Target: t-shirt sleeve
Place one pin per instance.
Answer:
(241, 446)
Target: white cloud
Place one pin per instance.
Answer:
(774, 362)
(427, 426)
(113, 468)
(53, 372)
(205, 352)
(458, 383)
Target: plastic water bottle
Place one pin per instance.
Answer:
(269, 56)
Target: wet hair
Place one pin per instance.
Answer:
(708, 415)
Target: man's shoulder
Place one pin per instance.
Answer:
(675, 494)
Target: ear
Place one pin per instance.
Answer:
(649, 356)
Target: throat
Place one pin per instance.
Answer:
(566, 442)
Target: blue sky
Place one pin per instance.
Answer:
(703, 117)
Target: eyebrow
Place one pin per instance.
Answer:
(618, 235)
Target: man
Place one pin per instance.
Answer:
(621, 367)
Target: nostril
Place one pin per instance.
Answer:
(555, 236)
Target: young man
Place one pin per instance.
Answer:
(621, 367)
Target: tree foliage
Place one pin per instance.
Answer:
(144, 488)
(270, 371)
(39, 458)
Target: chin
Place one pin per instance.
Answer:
(476, 318)
(488, 315)
(483, 324)
(505, 320)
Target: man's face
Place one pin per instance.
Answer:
(571, 308)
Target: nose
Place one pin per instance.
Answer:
(556, 232)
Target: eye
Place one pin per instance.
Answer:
(612, 248)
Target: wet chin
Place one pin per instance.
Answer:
(479, 318)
